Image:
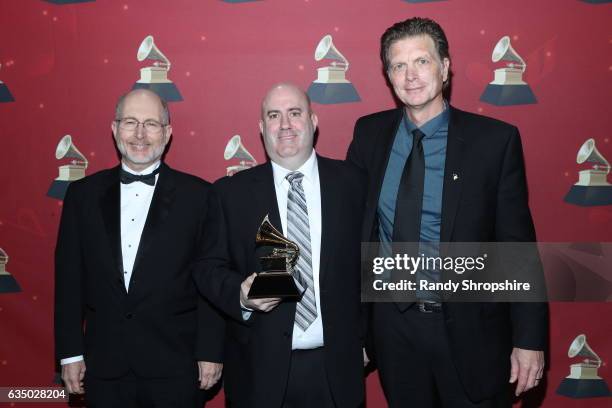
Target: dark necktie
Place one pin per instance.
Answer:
(409, 203)
(127, 178)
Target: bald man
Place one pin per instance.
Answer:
(283, 353)
(130, 327)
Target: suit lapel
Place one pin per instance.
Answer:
(453, 174)
(264, 192)
(329, 196)
(386, 136)
(110, 206)
(161, 204)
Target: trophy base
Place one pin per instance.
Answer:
(68, 1)
(589, 196)
(504, 95)
(168, 91)
(577, 388)
(8, 284)
(328, 94)
(58, 189)
(274, 285)
(5, 94)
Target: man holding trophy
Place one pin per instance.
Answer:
(292, 297)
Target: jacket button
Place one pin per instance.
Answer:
(128, 315)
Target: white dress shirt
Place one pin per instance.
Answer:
(313, 336)
(135, 202)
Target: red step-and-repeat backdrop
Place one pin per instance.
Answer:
(65, 62)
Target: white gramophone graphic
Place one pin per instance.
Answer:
(508, 87)
(5, 94)
(155, 77)
(583, 381)
(68, 173)
(236, 150)
(331, 85)
(8, 284)
(592, 187)
(68, 1)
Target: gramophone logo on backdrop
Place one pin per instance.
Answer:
(331, 85)
(592, 187)
(236, 150)
(583, 381)
(155, 77)
(67, 172)
(508, 87)
(68, 1)
(5, 94)
(8, 284)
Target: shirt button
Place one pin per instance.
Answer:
(136, 195)
(129, 246)
(132, 219)
(125, 272)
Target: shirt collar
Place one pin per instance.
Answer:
(146, 171)
(432, 125)
(308, 169)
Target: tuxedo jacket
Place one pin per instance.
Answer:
(258, 350)
(161, 326)
(484, 199)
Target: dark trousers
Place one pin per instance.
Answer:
(415, 364)
(307, 385)
(131, 391)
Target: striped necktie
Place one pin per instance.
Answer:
(298, 230)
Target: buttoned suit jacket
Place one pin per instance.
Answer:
(162, 325)
(258, 350)
(484, 199)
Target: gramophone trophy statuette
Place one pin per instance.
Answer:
(276, 279)
(236, 150)
(331, 85)
(8, 284)
(5, 94)
(68, 173)
(155, 77)
(592, 187)
(583, 381)
(508, 87)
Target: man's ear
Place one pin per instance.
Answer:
(315, 120)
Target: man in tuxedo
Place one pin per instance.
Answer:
(130, 326)
(438, 174)
(282, 353)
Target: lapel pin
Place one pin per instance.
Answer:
(455, 177)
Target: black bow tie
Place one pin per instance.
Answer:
(126, 177)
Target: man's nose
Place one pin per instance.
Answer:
(140, 131)
(285, 123)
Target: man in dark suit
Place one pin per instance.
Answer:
(126, 307)
(286, 353)
(438, 174)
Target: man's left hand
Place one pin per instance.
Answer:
(209, 374)
(527, 366)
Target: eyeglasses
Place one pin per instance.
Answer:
(131, 124)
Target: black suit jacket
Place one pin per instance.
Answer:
(485, 202)
(162, 326)
(258, 351)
